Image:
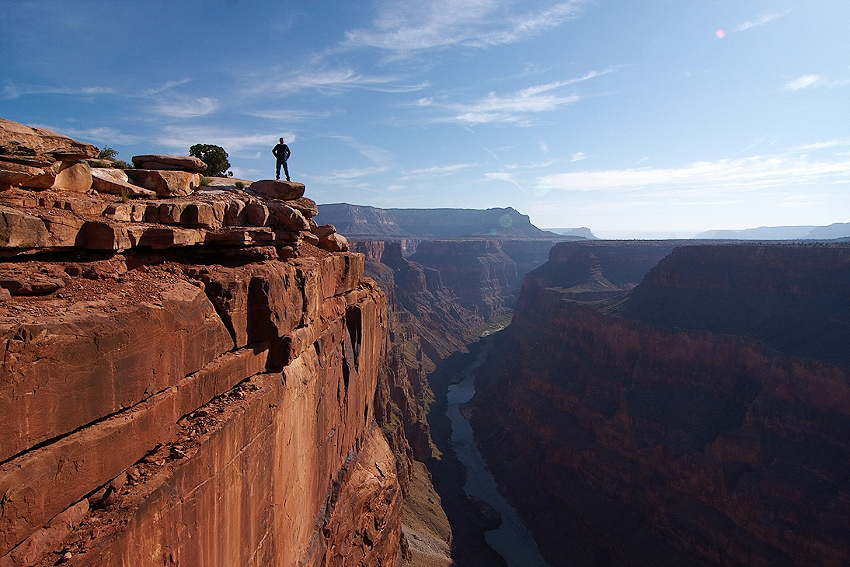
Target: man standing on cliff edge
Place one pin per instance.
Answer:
(281, 152)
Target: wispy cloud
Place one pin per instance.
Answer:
(166, 86)
(504, 176)
(803, 82)
(187, 107)
(334, 81)
(578, 156)
(16, 91)
(516, 107)
(347, 177)
(413, 26)
(375, 154)
(437, 170)
(104, 134)
(760, 20)
(183, 137)
(716, 176)
(291, 115)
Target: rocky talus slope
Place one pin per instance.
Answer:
(188, 376)
(703, 419)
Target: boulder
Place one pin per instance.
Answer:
(33, 157)
(75, 177)
(324, 230)
(282, 215)
(276, 189)
(334, 242)
(166, 183)
(169, 163)
(115, 181)
(307, 206)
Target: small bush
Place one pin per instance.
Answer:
(214, 156)
(107, 153)
(205, 181)
(239, 185)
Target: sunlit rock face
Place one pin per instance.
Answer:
(188, 381)
(683, 423)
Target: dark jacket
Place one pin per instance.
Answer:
(281, 152)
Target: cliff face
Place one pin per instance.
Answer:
(631, 442)
(190, 383)
(372, 223)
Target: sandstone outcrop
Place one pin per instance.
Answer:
(277, 189)
(166, 183)
(41, 158)
(188, 381)
(695, 435)
(116, 182)
(191, 164)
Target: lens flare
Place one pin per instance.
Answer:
(720, 34)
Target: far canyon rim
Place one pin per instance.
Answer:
(200, 373)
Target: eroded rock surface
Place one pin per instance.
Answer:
(188, 381)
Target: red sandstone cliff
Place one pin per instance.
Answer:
(188, 382)
(631, 442)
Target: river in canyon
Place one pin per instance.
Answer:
(511, 540)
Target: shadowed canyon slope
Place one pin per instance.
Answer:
(702, 419)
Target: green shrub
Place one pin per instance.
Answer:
(239, 185)
(107, 153)
(205, 181)
(214, 156)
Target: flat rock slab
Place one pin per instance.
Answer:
(39, 147)
(169, 163)
(166, 183)
(276, 189)
(115, 182)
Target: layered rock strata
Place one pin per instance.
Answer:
(188, 381)
(682, 438)
(428, 328)
(370, 223)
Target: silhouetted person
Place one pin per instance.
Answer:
(281, 152)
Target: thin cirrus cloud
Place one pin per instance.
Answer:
(187, 107)
(516, 108)
(414, 26)
(184, 137)
(803, 82)
(437, 170)
(348, 177)
(103, 134)
(334, 81)
(13, 91)
(760, 20)
(718, 176)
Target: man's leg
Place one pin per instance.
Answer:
(285, 170)
(277, 172)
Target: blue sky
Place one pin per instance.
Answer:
(625, 116)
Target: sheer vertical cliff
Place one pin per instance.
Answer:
(188, 381)
(701, 419)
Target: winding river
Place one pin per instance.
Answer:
(511, 540)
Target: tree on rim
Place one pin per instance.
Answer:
(214, 156)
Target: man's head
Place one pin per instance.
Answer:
(281, 140)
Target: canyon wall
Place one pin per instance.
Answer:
(188, 381)
(682, 423)
(364, 223)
